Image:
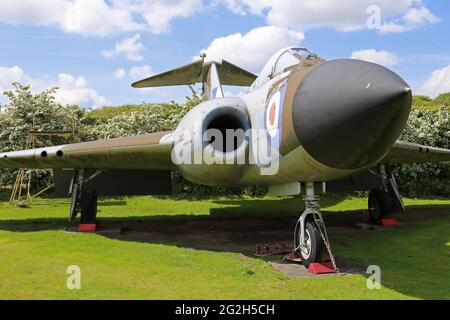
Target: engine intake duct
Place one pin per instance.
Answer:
(225, 130)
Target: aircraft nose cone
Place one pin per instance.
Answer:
(348, 113)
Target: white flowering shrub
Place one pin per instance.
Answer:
(154, 118)
(429, 128)
(16, 120)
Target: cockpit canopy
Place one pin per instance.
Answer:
(283, 59)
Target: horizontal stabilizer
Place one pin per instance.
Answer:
(197, 72)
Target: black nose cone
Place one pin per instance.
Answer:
(348, 113)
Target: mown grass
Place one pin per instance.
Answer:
(415, 259)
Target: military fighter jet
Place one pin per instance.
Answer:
(306, 125)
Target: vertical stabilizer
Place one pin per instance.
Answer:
(212, 86)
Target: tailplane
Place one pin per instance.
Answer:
(211, 74)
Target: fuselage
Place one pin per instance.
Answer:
(324, 120)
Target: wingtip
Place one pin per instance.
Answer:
(139, 84)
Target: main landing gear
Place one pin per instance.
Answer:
(310, 237)
(386, 200)
(83, 201)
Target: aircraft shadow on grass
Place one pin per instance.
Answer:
(239, 227)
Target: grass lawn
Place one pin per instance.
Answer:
(35, 252)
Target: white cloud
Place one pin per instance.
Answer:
(76, 91)
(235, 6)
(413, 18)
(120, 73)
(141, 72)
(252, 50)
(159, 13)
(437, 83)
(343, 15)
(109, 17)
(130, 47)
(98, 17)
(384, 58)
(88, 17)
(10, 75)
(72, 90)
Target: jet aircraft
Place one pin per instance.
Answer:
(306, 125)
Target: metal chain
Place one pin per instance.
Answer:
(312, 202)
(324, 235)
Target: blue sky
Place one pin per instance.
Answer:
(95, 53)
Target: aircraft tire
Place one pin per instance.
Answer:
(89, 207)
(315, 246)
(381, 205)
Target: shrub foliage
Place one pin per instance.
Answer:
(429, 128)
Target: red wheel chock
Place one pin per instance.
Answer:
(314, 268)
(389, 222)
(88, 227)
(321, 268)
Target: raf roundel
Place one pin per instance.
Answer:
(273, 114)
(273, 109)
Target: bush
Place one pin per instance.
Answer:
(135, 120)
(429, 128)
(443, 99)
(27, 111)
(104, 114)
(426, 103)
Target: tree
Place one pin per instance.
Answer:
(26, 111)
(429, 128)
(146, 119)
(443, 99)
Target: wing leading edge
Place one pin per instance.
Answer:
(150, 151)
(415, 153)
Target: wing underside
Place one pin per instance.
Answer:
(138, 152)
(407, 152)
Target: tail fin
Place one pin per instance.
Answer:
(212, 88)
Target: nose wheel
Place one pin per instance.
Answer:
(310, 236)
(313, 248)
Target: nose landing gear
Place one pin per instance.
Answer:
(310, 236)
